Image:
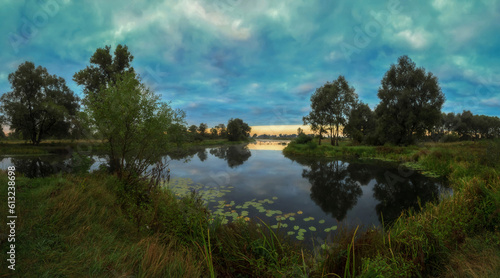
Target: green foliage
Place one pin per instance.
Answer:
(81, 163)
(39, 105)
(104, 70)
(74, 226)
(202, 129)
(467, 126)
(177, 132)
(361, 123)
(237, 130)
(449, 138)
(331, 105)
(134, 122)
(303, 139)
(410, 103)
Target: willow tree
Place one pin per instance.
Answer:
(331, 105)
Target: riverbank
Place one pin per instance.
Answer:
(18, 148)
(459, 236)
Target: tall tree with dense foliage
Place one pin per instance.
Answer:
(410, 105)
(331, 105)
(136, 124)
(104, 69)
(39, 104)
(222, 130)
(213, 132)
(361, 123)
(237, 130)
(202, 129)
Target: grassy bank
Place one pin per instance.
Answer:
(457, 237)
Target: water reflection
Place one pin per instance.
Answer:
(336, 187)
(42, 166)
(333, 189)
(401, 194)
(234, 155)
(347, 191)
(270, 145)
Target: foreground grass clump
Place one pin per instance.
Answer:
(436, 241)
(73, 226)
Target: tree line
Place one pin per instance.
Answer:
(409, 110)
(236, 130)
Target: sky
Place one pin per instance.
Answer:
(262, 60)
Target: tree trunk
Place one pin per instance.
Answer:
(337, 136)
(332, 142)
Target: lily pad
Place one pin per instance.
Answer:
(295, 227)
(312, 229)
(321, 221)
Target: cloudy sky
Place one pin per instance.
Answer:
(261, 60)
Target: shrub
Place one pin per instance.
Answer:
(303, 139)
(448, 138)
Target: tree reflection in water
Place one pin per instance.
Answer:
(332, 187)
(234, 155)
(396, 195)
(337, 185)
(43, 166)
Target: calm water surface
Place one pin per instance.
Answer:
(305, 197)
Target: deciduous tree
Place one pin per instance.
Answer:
(39, 104)
(361, 123)
(237, 130)
(104, 70)
(136, 124)
(331, 105)
(411, 102)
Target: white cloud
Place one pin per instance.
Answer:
(494, 101)
(229, 27)
(417, 39)
(334, 56)
(304, 88)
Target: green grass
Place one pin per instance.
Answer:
(47, 147)
(73, 226)
(345, 150)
